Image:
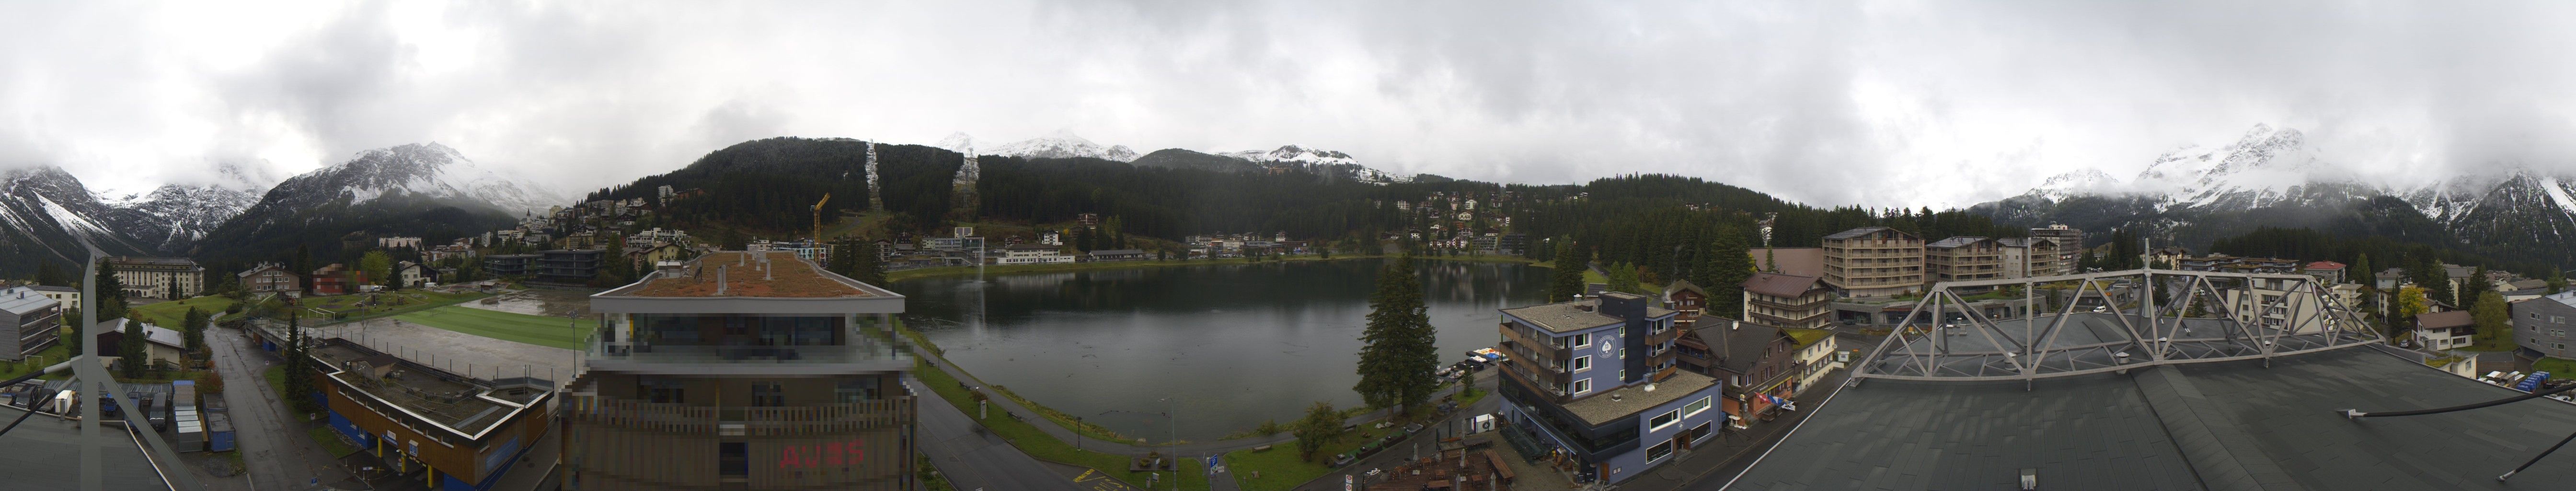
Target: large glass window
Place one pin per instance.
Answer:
(1665, 420)
(1659, 451)
(1694, 408)
(856, 390)
(768, 394)
(662, 390)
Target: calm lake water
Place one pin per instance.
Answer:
(1238, 344)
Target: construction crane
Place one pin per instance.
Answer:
(818, 218)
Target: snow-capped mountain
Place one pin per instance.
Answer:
(411, 189)
(45, 215)
(1062, 144)
(172, 218)
(1324, 162)
(2272, 177)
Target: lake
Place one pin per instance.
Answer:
(1238, 343)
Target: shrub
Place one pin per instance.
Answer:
(1269, 427)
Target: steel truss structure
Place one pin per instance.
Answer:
(2122, 323)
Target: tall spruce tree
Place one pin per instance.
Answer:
(1732, 265)
(299, 369)
(1401, 355)
(130, 348)
(1565, 280)
(111, 292)
(196, 329)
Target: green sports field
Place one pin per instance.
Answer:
(537, 330)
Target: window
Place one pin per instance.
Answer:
(1695, 407)
(859, 390)
(768, 394)
(1582, 363)
(1659, 451)
(733, 459)
(1701, 432)
(1583, 340)
(2557, 333)
(663, 391)
(1585, 385)
(1665, 420)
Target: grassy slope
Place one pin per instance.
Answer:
(169, 314)
(1038, 444)
(537, 330)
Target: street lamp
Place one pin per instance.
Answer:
(1172, 406)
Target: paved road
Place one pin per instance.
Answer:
(273, 443)
(974, 459)
(1708, 467)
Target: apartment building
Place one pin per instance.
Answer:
(742, 370)
(269, 278)
(170, 278)
(1782, 300)
(571, 267)
(2030, 257)
(2069, 242)
(1873, 262)
(2541, 324)
(31, 319)
(1595, 381)
(1963, 259)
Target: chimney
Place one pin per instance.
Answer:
(720, 279)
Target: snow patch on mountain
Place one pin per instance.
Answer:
(1326, 162)
(1062, 144)
(71, 220)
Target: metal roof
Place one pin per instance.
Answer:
(1846, 234)
(1954, 242)
(2233, 425)
(23, 300)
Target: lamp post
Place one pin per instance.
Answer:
(1172, 405)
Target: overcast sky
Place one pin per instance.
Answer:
(1829, 103)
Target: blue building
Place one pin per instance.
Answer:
(1594, 382)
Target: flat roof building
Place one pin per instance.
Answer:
(1874, 262)
(1596, 379)
(742, 370)
(463, 432)
(29, 321)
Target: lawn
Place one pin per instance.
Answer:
(532, 329)
(2557, 367)
(1281, 469)
(51, 355)
(330, 440)
(395, 303)
(1045, 447)
(170, 314)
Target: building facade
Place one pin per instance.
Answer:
(398, 243)
(742, 370)
(2444, 330)
(269, 278)
(2030, 257)
(1873, 262)
(569, 266)
(1033, 254)
(2542, 324)
(170, 278)
(68, 297)
(31, 320)
(337, 279)
(446, 430)
(1594, 379)
(2069, 242)
(510, 265)
(1963, 259)
(1781, 300)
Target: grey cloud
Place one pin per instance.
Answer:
(1875, 103)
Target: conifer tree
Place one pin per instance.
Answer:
(196, 329)
(1566, 280)
(1400, 356)
(1732, 265)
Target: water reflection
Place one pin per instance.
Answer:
(1239, 343)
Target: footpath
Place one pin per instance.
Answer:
(1220, 482)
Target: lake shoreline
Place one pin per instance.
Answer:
(948, 271)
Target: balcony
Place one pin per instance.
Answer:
(641, 357)
(1530, 348)
(823, 419)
